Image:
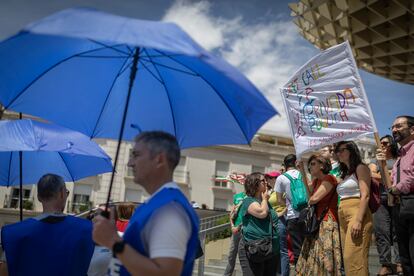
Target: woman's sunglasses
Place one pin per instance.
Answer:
(340, 150)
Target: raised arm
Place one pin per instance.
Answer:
(260, 210)
(323, 189)
(374, 171)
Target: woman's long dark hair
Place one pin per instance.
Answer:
(393, 145)
(354, 158)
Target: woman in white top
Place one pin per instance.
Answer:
(355, 217)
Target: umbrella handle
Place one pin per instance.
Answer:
(105, 214)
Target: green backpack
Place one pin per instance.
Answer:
(298, 192)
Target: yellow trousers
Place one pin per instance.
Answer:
(355, 251)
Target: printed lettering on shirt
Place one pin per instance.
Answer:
(114, 268)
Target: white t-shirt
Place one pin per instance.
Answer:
(166, 233)
(282, 185)
(100, 261)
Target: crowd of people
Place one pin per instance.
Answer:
(283, 221)
(330, 233)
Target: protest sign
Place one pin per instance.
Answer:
(325, 101)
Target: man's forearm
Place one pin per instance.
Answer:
(406, 186)
(3, 269)
(138, 264)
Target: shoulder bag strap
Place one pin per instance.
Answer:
(340, 245)
(398, 171)
(270, 219)
(288, 177)
(271, 224)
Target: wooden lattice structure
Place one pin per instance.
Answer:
(381, 32)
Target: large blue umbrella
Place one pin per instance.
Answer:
(113, 77)
(30, 149)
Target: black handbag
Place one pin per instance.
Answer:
(261, 249)
(406, 201)
(310, 218)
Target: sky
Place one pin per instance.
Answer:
(257, 37)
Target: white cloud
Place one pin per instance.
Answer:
(268, 53)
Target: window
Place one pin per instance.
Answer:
(222, 171)
(221, 183)
(180, 172)
(81, 198)
(181, 166)
(80, 203)
(222, 168)
(129, 171)
(259, 169)
(183, 162)
(14, 201)
(133, 195)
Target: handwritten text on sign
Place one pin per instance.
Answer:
(325, 101)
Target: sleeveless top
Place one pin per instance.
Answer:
(39, 248)
(276, 205)
(349, 187)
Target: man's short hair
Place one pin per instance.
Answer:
(161, 142)
(289, 161)
(410, 119)
(49, 186)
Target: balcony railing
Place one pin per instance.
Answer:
(221, 182)
(181, 176)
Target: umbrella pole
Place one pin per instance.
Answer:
(21, 179)
(21, 186)
(132, 76)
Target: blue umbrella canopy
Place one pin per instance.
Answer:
(47, 148)
(74, 68)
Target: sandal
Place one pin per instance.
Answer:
(399, 271)
(384, 271)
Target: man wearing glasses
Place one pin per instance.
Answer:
(162, 235)
(403, 185)
(52, 243)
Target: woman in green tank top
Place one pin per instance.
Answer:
(259, 221)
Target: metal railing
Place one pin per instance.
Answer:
(210, 228)
(210, 222)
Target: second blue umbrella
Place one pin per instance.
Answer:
(30, 149)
